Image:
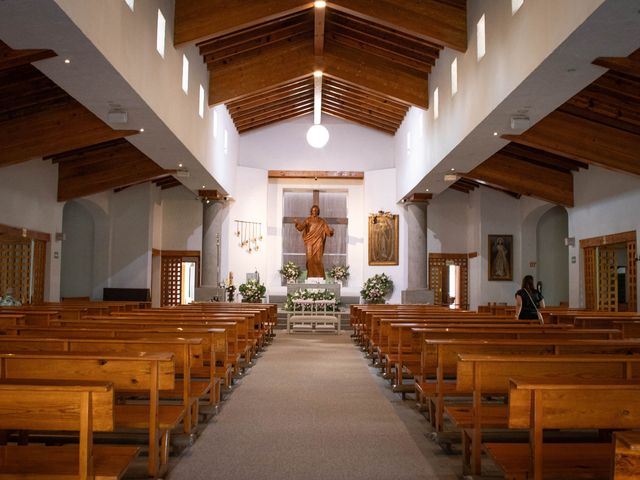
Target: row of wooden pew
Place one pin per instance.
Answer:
(129, 371)
(473, 372)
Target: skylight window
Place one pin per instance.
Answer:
(480, 38)
(162, 26)
(185, 74)
(515, 6)
(201, 102)
(436, 104)
(454, 77)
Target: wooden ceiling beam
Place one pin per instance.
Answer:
(196, 20)
(289, 23)
(372, 73)
(315, 174)
(340, 88)
(318, 36)
(363, 104)
(361, 121)
(438, 22)
(547, 159)
(237, 53)
(525, 178)
(10, 58)
(281, 114)
(283, 91)
(259, 74)
(583, 140)
(625, 65)
(361, 110)
(287, 116)
(100, 170)
(274, 109)
(53, 131)
(300, 97)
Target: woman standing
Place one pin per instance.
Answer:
(528, 300)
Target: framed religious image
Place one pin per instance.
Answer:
(383, 239)
(500, 257)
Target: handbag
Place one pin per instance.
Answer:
(540, 317)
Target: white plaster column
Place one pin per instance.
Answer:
(416, 217)
(212, 217)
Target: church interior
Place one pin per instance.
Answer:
(166, 154)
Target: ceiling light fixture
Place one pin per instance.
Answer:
(317, 135)
(142, 130)
(66, 60)
(320, 4)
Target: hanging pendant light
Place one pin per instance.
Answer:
(317, 135)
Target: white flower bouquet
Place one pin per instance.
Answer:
(376, 288)
(339, 272)
(252, 291)
(290, 271)
(311, 294)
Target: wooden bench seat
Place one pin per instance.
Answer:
(37, 405)
(539, 404)
(481, 375)
(147, 373)
(626, 465)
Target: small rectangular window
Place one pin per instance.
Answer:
(454, 77)
(162, 25)
(226, 141)
(130, 4)
(408, 143)
(515, 6)
(480, 38)
(185, 74)
(215, 123)
(201, 102)
(436, 104)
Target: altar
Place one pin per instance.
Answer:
(329, 287)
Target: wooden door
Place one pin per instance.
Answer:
(171, 281)
(632, 273)
(607, 279)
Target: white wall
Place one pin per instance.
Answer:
(606, 202)
(380, 194)
(284, 147)
(131, 229)
(76, 276)
(448, 222)
(251, 204)
(28, 195)
(181, 220)
(553, 256)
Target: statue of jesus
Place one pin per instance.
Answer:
(314, 233)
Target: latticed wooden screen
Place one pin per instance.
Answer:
(438, 276)
(39, 262)
(607, 280)
(632, 273)
(15, 269)
(589, 255)
(171, 281)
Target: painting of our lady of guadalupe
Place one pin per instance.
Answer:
(383, 239)
(500, 257)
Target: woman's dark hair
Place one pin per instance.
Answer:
(527, 283)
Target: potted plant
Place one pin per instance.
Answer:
(339, 273)
(376, 288)
(290, 271)
(252, 291)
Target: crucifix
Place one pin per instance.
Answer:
(329, 220)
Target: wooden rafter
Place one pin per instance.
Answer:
(10, 58)
(318, 36)
(315, 174)
(103, 167)
(196, 20)
(525, 178)
(583, 140)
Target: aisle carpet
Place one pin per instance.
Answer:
(311, 408)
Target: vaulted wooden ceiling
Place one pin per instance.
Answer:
(598, 126)
(375, 55)
(39, 119)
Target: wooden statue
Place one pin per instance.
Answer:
(314, 233)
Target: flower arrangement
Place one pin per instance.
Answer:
(252, 291)
(376, 287)
(339, 272)
(311, 294)
(290, 271)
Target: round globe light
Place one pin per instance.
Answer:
(317, 136)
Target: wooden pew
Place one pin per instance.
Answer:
(481, 375)
(187, 353)
(540, 404)
(439, 360)
(626, 450)
(82, 407)
(146, 373)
